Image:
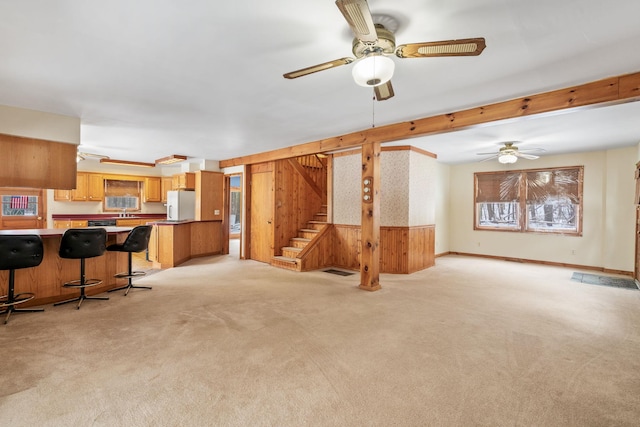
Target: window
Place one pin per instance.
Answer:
(121, 195)
(19, 205)
(536, 200)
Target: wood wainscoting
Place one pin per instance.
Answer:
(403, 250)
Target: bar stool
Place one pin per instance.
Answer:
(82, 243)
(19, 251)
(136, 241)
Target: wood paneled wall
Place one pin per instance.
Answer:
(37, 163)
(403, 250)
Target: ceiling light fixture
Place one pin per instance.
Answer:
(507, 158)
(373, 70)
(174, 158)
(127, 163)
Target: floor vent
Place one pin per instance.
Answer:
(339, 272)
(594, 279)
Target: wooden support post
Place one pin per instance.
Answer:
(370, 200)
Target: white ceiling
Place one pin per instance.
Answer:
(203, 78)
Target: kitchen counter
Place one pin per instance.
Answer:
(175, 242)
(46, 280)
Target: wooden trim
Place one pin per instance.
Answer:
(551, 263)
(330, 188)
(609, 91)
(370, 214)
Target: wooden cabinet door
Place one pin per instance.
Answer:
(152, 191)
(61, 195)
(80, 192)
(166, 184)
(95, 187)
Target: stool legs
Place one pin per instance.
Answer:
(12, 300)
(82, 284)
(129, 275)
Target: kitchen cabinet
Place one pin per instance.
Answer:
(89, 188)
(62, 195)
(184, 181)
(209, 196)
(152, 189)
(130, 222)
(57, 223)
(166, 184)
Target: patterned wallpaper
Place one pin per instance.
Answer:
(407, 189)
(422, 189)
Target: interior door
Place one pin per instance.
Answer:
(261, 233)
(22, 208)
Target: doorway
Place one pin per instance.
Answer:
(235, 206)
(23, 208)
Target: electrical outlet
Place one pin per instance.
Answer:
(573, 251)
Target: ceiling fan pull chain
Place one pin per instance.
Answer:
(373, 110)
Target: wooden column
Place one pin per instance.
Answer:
(370, 200)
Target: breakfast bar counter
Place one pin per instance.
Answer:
(46, 280)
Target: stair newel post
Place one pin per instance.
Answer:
(370, 231)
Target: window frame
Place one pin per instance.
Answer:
(522, 200)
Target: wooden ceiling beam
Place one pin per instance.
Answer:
(609, 91)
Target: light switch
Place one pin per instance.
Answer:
(216, 212)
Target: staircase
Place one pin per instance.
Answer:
(290, 258)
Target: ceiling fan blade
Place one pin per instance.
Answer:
(495, 156)
(527, 156)
(358, 16)
(383, 91)
(462, 47)
(319, 67)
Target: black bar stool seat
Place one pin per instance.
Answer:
(136, 241)
(16, 252)
(82, 243)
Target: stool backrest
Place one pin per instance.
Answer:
(83, 243)
(20, 251)
(138, 239)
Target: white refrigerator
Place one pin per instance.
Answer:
(181, 205)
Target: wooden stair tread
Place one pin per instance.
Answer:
(300, 239)
(291, 248)
(317, 222)
(285, 259)
(309, 230)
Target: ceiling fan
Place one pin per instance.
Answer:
(510, 153)
(374, 43)
(82, 155)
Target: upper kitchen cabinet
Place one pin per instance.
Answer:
(152, 189)
(184, 181)
(89, 188)
(166, 184)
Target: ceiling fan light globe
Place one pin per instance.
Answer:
(507, 158)
(373, 70)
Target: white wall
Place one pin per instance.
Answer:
(608, 214)
(442, 208)
(36, 124)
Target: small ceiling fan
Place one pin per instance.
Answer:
(510, 153)
(373, 44)
(82, 155)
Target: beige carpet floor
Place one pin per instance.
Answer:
(223, 342)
